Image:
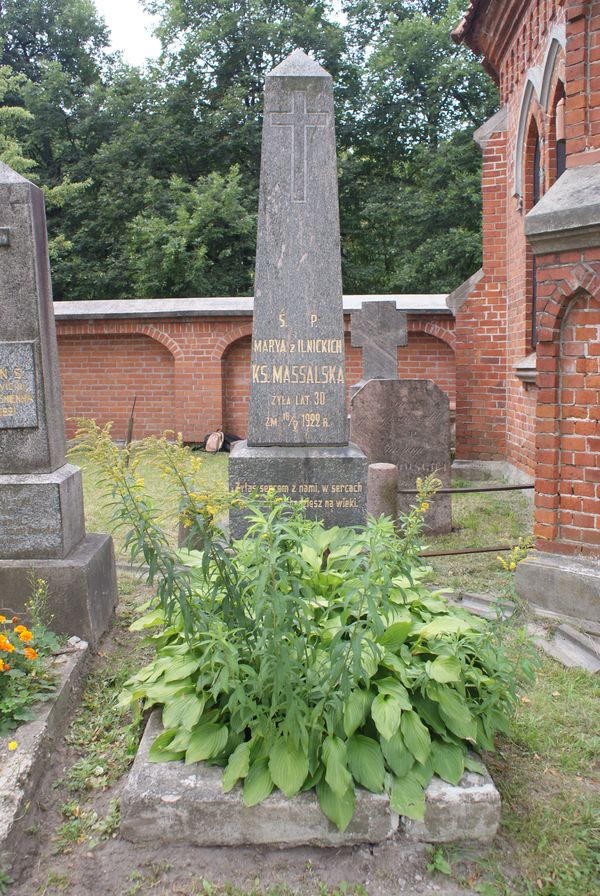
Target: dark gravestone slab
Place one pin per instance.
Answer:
(407, 423)
(379, 328)
(41, 496)
(298, 428)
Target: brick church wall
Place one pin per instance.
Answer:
(540, 51)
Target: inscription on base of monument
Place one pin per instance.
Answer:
(318, 495)
(18, 405)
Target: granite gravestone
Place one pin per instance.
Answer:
(378, 328)
(298, 430)
(41, 499)
(407, 423)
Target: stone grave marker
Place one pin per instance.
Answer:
(378, 328)
(298, 430)
(407, 423)
(41, 499)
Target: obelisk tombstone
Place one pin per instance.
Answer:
(298, 430)
(42, 526)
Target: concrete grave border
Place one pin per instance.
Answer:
(173, 803)
(21, 769)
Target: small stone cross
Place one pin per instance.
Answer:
(299, 120)
(379, 328)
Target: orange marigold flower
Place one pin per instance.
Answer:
(30, 653)
(15, 619)
(20, 628)
(26, 636)
(5, 644)
(2, 618)
(4, 667)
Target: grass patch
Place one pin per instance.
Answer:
(98, 512)
(481, 520)
(547, 774)
(103, 736)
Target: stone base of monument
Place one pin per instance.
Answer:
(82, 587)
(332, 480)
(563, 585)
(174, 803)
(50, 519)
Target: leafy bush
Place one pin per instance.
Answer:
(303, 657)
(24, 676)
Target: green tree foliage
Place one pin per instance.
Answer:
(198, 241)
(151, 175)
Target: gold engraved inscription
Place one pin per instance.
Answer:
(298, 374)
(13, 392)
(298, 346)
(317, 495)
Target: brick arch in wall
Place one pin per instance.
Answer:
(235, 378)
(568, 416)
(104, 368)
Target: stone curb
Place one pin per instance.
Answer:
(21, 770)
(571, 648)
(173, 803)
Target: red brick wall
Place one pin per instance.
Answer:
(192, 375)
(567, 516)
(495, 409)
(480, 327)
(101, 376)
(583, 82)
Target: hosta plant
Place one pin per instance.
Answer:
(302, 657)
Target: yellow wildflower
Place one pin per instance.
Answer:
(13, 745)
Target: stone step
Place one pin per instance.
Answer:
(174, 803)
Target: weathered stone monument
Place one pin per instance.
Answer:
(378, 328)
(298, 431)
(42, 529)
(407, 423)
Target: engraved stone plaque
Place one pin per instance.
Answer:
(18, 404)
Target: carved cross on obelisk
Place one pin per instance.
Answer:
(379, 328)
(300, 121)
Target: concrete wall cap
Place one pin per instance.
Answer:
(571, 204)
(104, 309)
(494, 125)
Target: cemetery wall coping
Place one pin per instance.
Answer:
(104, 309)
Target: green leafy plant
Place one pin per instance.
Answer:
(302, 657)
(25, 677)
